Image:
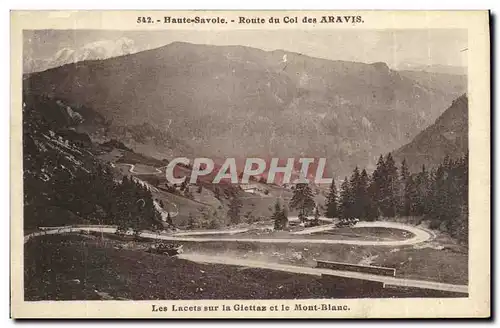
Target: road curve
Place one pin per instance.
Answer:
(132, 167)
(419, 236)
(215, 232)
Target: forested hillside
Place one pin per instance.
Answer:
(392, 190)
(447, 136)
(64, 182)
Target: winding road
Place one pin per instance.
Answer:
(420, 236)
(132, 169)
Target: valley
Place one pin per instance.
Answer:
(188, 100)
(99, 136)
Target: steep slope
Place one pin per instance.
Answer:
(234, 101)
(448, 83)
(64, 182)
(448, 136)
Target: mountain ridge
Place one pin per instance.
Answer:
(97, 50)
(226, 101)
(448, 136)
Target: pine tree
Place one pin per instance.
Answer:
(284, 217)
(277, 209)
(460, 226)
(184, 185)
(372, 208)
(354, 209)
(439, 193)
(279, 217)
(332, 202)
(316, 215)
(234, 209)
(362, 197)
(390, 187)
(377, 187)
(463, 177)
(404, 203)
(360, 203)
(302, 200)
(446, 202)
(422, 188)
(345, 199)
(410, 197)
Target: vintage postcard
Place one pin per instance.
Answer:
(272, 164)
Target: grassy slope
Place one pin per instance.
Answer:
(256, 206)
(449, 266)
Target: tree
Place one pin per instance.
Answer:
(372, 208)
(316, 215)
(389, 187)
(284, 216)
(444, 199)
(184, 185)
(188, 193)
(234, 209)
(169, 219)
(358, 193)
(378, 179)
(345, 199)
(279, 217)
(362, 195)
(410, 197)
(422, 192)
(332, 202)
(405, 202)
(302, 200)
(217, 193)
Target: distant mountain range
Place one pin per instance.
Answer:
(235, 101)
(101, 49)
(442, 69)
(448, 136)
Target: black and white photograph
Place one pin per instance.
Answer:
(245, 164)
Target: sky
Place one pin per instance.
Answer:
(394, 47)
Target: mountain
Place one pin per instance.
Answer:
(448, 136)
(235, 101)
(440, 69)
(101, 49)
(452, 83)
